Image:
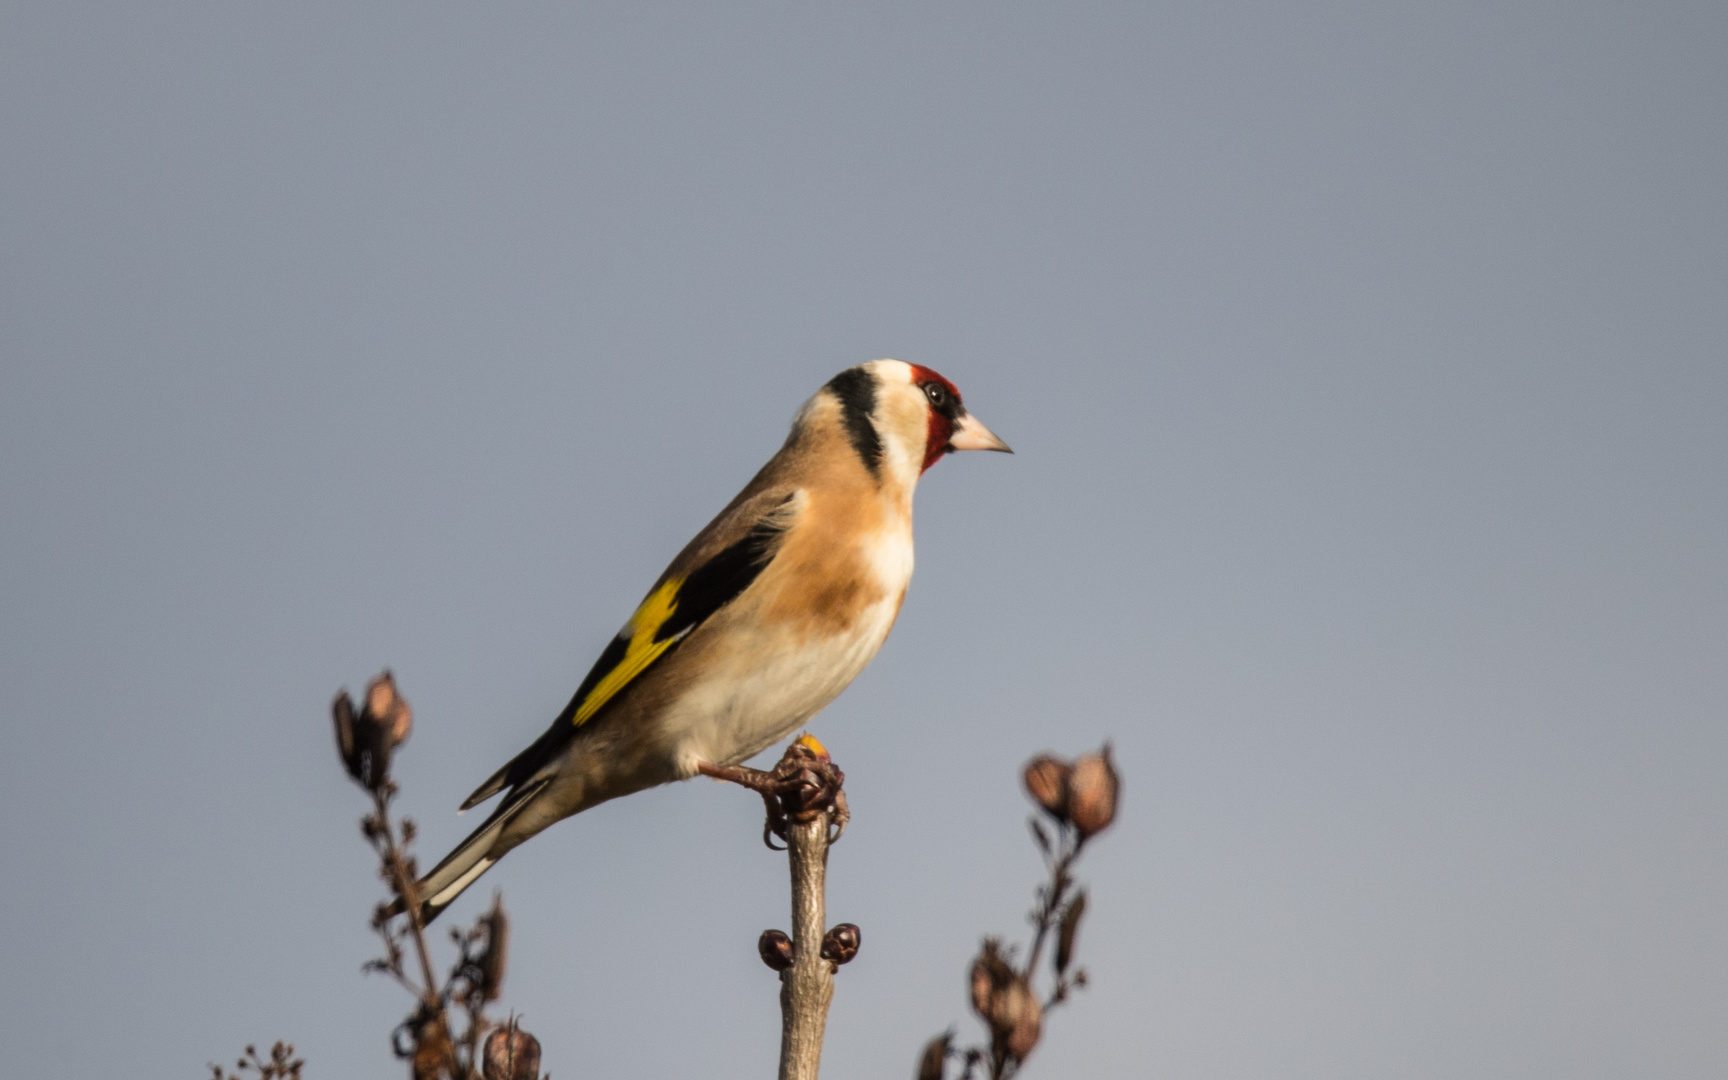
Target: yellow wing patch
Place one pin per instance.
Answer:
(642, 650)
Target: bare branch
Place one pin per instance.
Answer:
(806, 808)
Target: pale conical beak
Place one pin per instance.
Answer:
(969, 434)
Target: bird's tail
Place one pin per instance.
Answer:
(471, 858)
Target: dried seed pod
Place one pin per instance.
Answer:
(841, 943)
(1093, 788)
(389, 710)
(1020, 1018)
(775, 948)
(432, 1049)
(365, 740)
(494, 960)
(933, 1063)
(1005, 1003)
(347, 735)
(511, 1054)
(989, 971)
(1046, 780)
(1065, 932)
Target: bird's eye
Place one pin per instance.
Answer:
(938, 396)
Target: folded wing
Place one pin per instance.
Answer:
(683, 599)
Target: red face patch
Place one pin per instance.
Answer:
(943, 398)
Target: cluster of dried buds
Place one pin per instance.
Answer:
(282, 1065)
(507, 1053)
(365, 740)
(1003, 998)
(839, 946)
(1081, 793)
(1079, 797)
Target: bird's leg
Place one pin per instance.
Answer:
(754, 779)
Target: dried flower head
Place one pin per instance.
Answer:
(775, 948)
(389, 709)
(841, 943)
(511, 1054)
(432, 1048)
(365, 740)
(1093, 788)
(1022, 1019)
(1005, 1003)
(1046, 779)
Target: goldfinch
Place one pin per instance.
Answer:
(759, 623)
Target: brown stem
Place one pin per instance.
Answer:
(806, 808)
(807, 987)
(1051, 908)
(409, 892)
(406, 889)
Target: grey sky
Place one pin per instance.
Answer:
(1367, 366)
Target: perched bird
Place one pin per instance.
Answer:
(759, 623)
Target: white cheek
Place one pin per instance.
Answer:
(905, 427)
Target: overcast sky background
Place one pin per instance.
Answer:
(1367, 367)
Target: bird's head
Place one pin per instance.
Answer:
(901, 418)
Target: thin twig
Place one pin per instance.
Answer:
(1052, 898)
(406, 888)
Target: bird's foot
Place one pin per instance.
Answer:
(805, 783)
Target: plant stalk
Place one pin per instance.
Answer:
(807, 987)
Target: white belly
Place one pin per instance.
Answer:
(736, 714)
(771, 685)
